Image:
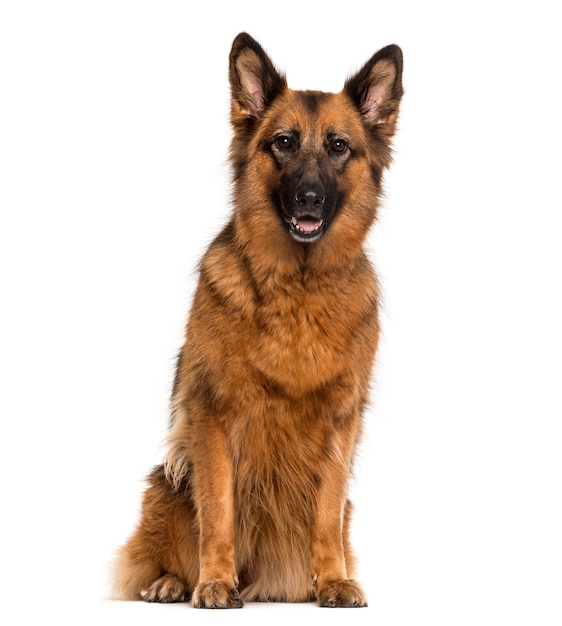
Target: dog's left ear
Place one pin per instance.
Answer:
(376, 89)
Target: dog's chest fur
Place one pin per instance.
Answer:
(299, 330)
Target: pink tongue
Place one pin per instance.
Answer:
(309, 225)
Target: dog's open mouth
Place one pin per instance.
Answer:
(306, 228)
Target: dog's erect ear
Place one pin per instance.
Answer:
(254, 81)
(376, 89)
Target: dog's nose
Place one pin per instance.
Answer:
(311, 196)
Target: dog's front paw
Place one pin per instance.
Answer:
(167, 588)
(216, 594)
(341, 593)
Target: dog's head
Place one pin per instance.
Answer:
(316, 157)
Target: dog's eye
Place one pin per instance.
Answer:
(339, 146)
(283, 142)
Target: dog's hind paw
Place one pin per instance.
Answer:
(167, 588)
(341, 593)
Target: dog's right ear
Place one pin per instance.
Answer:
(254, 81)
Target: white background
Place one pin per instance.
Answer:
(113, 179)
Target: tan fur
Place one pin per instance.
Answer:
(274, 373)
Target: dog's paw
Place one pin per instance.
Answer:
(216, 594)
(167, 588)
(341, 593)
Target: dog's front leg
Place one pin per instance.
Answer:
(329, 567)
(213, 491)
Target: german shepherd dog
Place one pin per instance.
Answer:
(251, 503)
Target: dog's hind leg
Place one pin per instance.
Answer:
(160, 562)
(167, 588)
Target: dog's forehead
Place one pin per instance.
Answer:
(314, 112)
